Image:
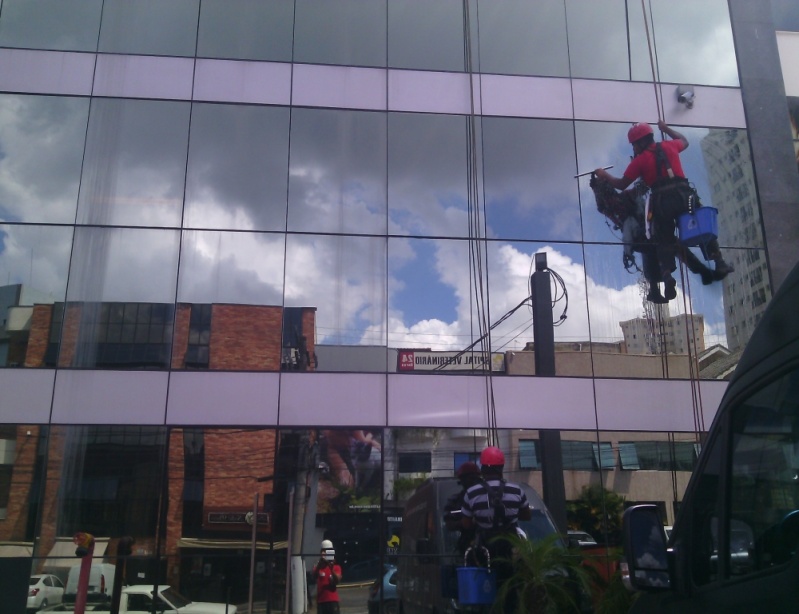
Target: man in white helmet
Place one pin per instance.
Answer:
(328, 574)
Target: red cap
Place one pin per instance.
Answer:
(639, 131)
(492, 456)
(467, 468)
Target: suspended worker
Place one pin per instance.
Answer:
(658, 164)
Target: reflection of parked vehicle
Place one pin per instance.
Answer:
(101, 580)
(44, 590)
(383, 593)
(139, 600)
(364, 571)
(735, 543)
(582, 538)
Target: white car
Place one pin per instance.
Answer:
(44, 590)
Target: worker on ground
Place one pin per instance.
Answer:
(327, 574)
(494, 507)
(468, 475)
(658, 164)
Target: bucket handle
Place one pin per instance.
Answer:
(485, 551)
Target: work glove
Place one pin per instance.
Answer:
(629, 261)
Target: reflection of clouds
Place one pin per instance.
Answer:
(41, 140)
(527, 167)
(337, 177)
(37, 257)
(238, 161)
(245, 268)
(694, 42)
(344, 278)
(135, 163)
(126, 265)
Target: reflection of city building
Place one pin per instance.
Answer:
(680, 334)
(140, 335)
(16, 311)
(732, 183)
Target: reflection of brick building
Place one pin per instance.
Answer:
(198, 336)
(100, 479)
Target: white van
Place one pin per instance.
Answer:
(101, 583)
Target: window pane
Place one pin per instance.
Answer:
(337, 180)
(238, 167)
(528, 454)
(525, 163)
(628, 456)
(135, 177)
(344, 280)
(246, 30)
(692, 42)
(65, 25)
(519, 37)
(42, 140)
(150, 27)
(347, 32)
(33, 267)
(598, 46)
(425, 35)
(427, 175)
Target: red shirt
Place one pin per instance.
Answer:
(644, 165)
(324, 593)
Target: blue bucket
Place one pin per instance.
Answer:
(476, 586)
(699, 227)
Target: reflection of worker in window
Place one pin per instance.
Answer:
(346, 450)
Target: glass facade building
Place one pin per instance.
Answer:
(278, 255)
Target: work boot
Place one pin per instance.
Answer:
(708, 277)
(722, 268)
(670, 285)
(654, 295)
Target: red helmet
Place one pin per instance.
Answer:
(639, 131)
(467, 468)
(492, 456)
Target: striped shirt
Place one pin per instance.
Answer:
(476, 503)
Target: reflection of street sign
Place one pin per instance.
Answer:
(426, 360)
(237, 518)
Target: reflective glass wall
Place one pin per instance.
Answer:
(232, 233)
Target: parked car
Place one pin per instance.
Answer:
(582, 538)
(44, 590)
(139, 599)
(98, 590)
(383, 593)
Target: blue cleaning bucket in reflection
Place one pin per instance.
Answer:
(699, 227)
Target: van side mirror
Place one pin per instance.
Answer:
(645, 557)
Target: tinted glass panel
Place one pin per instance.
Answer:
(598, 42)
(519, 37)
(42, 140)
(426, 35)
(135, 163)
(33, 266)
(337, 180)
(348, 32)
(526, 162)
(344, 280)
(68, 25)
(238, 168)
(246, 30)
(691, 42)
(150, 27)
(427, 175)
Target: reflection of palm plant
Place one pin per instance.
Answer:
(546, 577)
(598, 512)
(404, 487)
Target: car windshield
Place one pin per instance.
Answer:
(33, 581)
(174, 598)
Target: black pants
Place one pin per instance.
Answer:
(667, 204)
(328, 607)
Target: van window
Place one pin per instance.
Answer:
(704, 514)
(764, 502)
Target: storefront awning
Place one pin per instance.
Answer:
(62, 555)
(227, 544)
